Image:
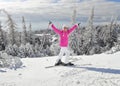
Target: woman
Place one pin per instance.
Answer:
(64, 38)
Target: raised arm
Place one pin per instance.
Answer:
(55, 29)
(72, 28)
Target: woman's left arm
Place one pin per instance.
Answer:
(73, 28)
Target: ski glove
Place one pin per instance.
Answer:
(79, 24)
(50, 22)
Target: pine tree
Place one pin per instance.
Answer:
(2, 44)
(29, 50)
(24, 33)
(37, 50)
(112, 32)
(73, 19)
(22, 51)
(30, 33)
(30, 30)
(73, 40)
(11, 25)
(88, 36)
(90, 20)
(18, 38)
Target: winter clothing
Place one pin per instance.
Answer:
(63, 50)
(64, 26)
(58, 63)
(64, 35)
(64, 64)
(67, 64)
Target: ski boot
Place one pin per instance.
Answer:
(67, 64)
(58, 63)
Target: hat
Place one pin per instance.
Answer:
(64, 26)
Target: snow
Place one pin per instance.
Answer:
(94, 70)
(42, 34)
(8, 61)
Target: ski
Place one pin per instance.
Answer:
(69, 65)
(52, 66)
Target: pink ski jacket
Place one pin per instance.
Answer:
(64, 35)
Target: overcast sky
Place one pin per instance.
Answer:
(39, 12)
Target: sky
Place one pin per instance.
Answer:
(39, 12)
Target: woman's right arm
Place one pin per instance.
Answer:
(55, 29)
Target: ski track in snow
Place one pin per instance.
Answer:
(96, 70)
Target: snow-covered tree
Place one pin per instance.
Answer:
(90, 20)
(22, 51)
(1, 32)
(29, 50)
(42, 41)
(48, 52)
(37, 50)
(39, 46)
(11, 25)
(89, 34)
(12, 50)
(116, 20)
(55, 49)
(2, 44)
(18, 38)
(9, 61)
(24, 33)
(16, 49)
(73, 40)
(30, 33)
(73, 19)
(30, 30)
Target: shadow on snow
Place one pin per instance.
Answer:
(103, 70)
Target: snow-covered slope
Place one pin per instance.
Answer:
(94, 70)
